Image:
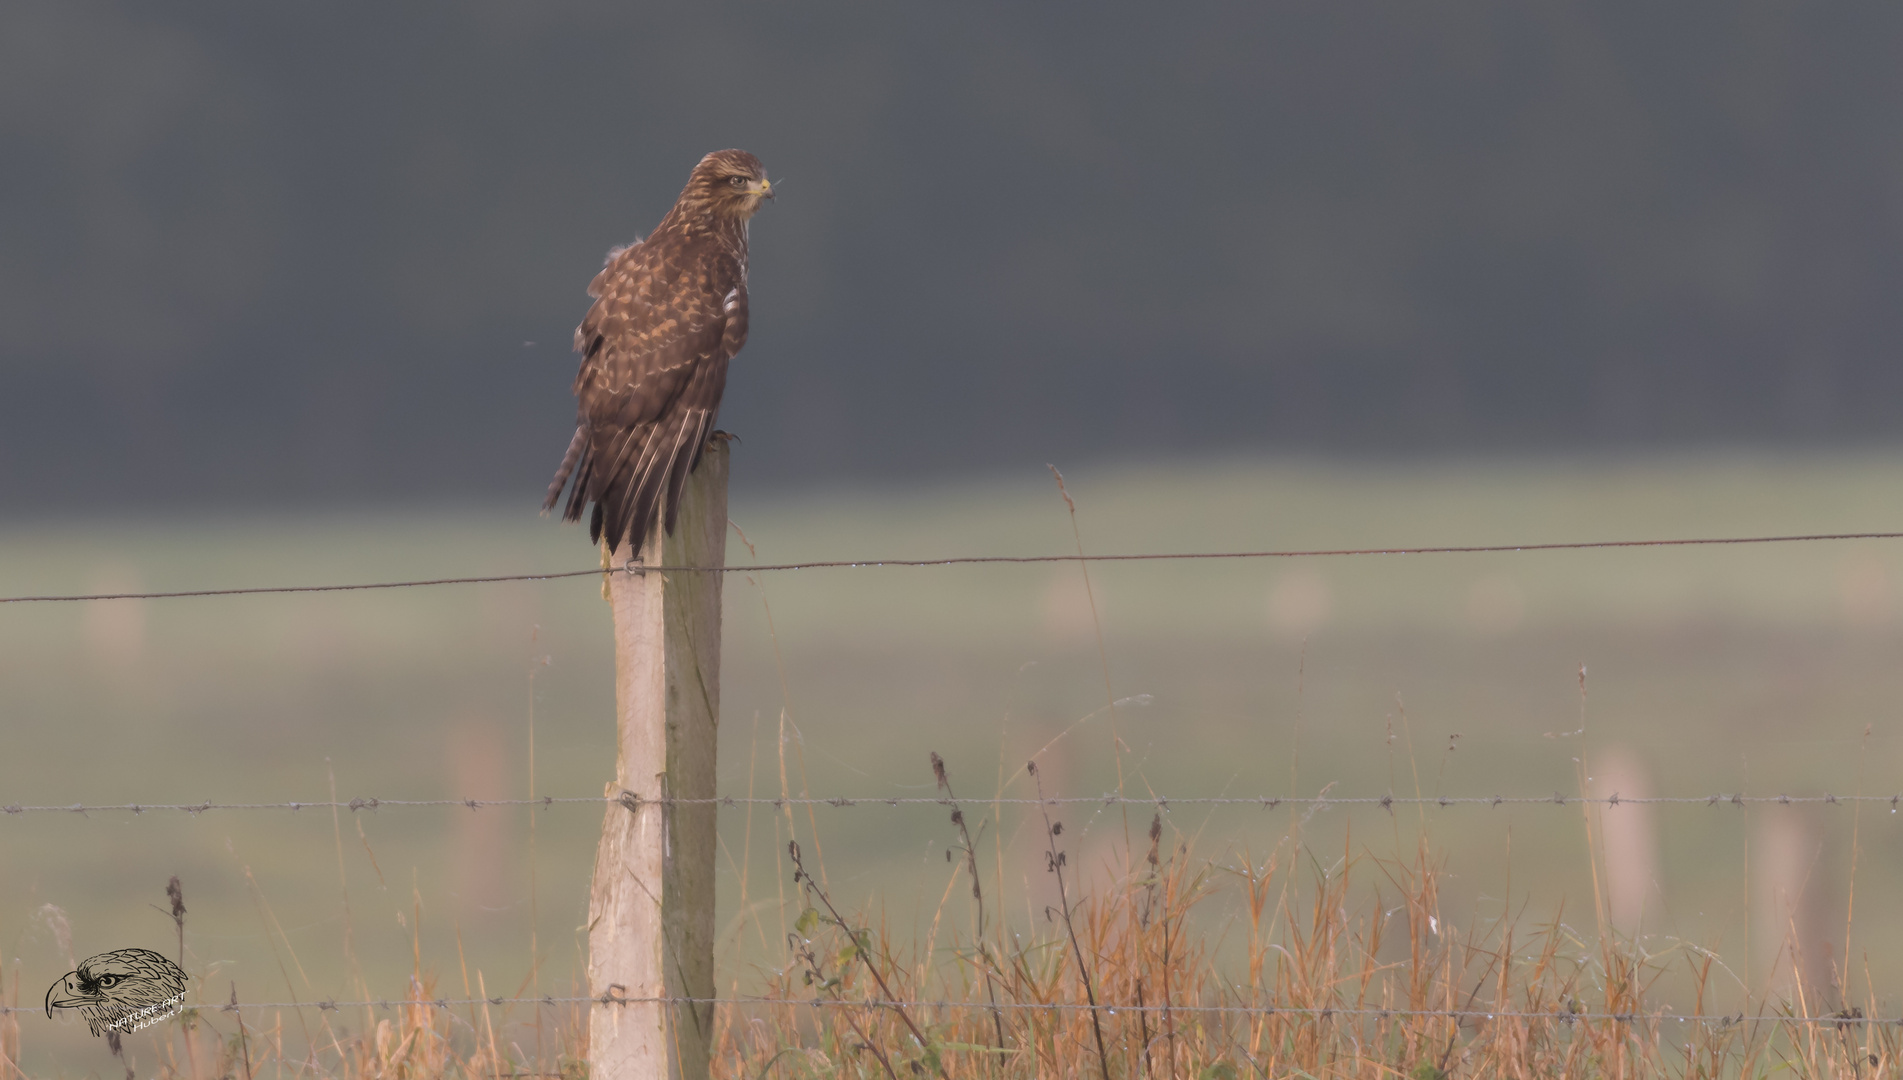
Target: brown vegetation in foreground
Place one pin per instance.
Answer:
(1308, 982)
(1314, 970)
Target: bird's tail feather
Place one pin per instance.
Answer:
(696, 432)
(575, 448)
(645, 480)
(631, 515)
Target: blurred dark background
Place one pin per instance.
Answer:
(259, 254)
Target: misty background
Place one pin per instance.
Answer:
(256, 255)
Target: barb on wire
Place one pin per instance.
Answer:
(1844, 1019)
(970, 560)
(1160, 802)
(316, 804)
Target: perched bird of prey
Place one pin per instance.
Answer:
(669, 313)
(120, 991)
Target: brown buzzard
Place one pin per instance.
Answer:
(669, 313)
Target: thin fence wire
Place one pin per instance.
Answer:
(1320, 1013)
(967, 560)
(1160, 802)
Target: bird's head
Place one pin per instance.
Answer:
(112, 986)
(730, 183)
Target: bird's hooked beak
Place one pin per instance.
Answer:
(65, 983)
(765, 190)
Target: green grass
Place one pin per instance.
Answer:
(1713, 669)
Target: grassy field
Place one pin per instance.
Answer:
(1768, 669)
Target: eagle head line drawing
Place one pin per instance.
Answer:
(670, 311)
(122, 990)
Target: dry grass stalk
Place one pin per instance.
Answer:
(1324, 972)
(1337, 977)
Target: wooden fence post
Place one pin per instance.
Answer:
(651, 911)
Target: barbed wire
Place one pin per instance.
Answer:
(1160, 802)
(1317, 1012)
(966, 560)
(1388, 802)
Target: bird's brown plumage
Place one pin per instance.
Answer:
(670, 311)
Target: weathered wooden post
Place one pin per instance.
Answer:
(651, 912)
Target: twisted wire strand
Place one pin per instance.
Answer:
(970, 560)
(1385, 801)
(1161, 802)
(1323, 1013)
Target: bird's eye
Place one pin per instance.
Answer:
(108, 981)
(738, 181)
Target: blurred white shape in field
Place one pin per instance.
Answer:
(1300, 601)
(1495, 604)
(115, 629)
(1795, 909)
(1630, 836)
(478, 764)
(1863, 584)
(1064, 607)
